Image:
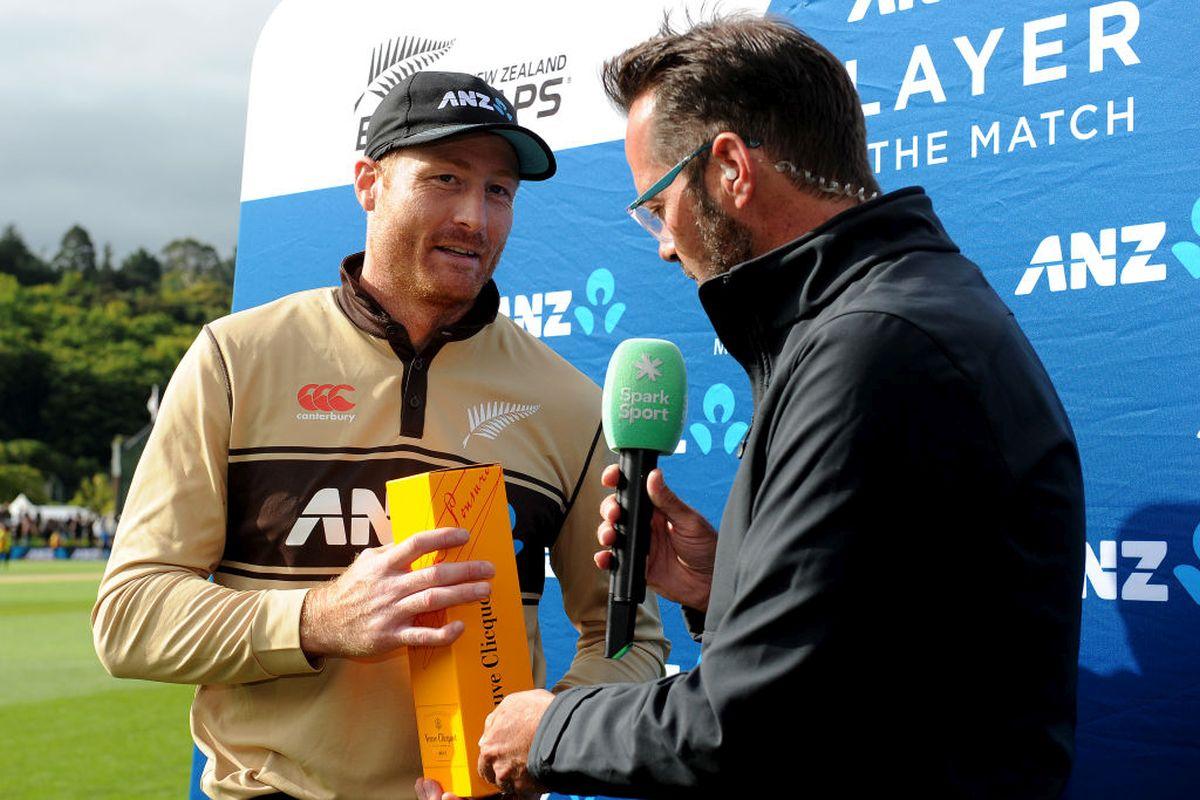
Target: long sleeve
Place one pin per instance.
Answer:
(768, 701)
(585, 593)
(157, 615)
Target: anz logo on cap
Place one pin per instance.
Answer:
(467, 97)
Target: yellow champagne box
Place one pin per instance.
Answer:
(456, 687)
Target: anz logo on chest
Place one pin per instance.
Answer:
(325, 510)
(370, 523)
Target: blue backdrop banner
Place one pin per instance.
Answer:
(1058, 140)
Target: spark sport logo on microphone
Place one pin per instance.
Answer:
(652, 406)
(644, 405)
(645, 396)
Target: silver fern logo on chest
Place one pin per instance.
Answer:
(489, 420)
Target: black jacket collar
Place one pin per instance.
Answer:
(357, 304)
(754, 305)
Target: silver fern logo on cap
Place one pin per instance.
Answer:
(396, 59)
(490, 419)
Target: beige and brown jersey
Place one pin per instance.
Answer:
(265, 472)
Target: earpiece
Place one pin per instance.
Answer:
(729, 172)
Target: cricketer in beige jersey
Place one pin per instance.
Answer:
(266, 470)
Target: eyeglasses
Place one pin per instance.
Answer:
(648, 219)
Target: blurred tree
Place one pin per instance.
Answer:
(24, 374)
(57, 471)
(18, 479)
(225, 273)
(196, 303)
(96, 493)
(140, 270)
(192, 260)
(80, 352)
(35, 454)
(19, 261)
(76, 253)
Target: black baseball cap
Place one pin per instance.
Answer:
(428, 106)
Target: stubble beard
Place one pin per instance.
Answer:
(401, 280)
(726, 242)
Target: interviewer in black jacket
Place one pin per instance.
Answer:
(892, 604)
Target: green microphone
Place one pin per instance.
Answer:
(645, 405)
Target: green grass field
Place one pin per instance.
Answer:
(67, 729)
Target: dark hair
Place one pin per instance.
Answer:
(761, 78)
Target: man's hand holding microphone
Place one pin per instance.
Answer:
(653, 537)
(683, 545)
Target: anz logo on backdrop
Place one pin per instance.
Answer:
(550, 314)
(542, 314)
(719, 430)
(1108, 257)
(1140, 577)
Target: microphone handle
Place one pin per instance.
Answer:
(627, 585)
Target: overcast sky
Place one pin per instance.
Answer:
(126, 117)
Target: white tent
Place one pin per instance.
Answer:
(22, 506)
